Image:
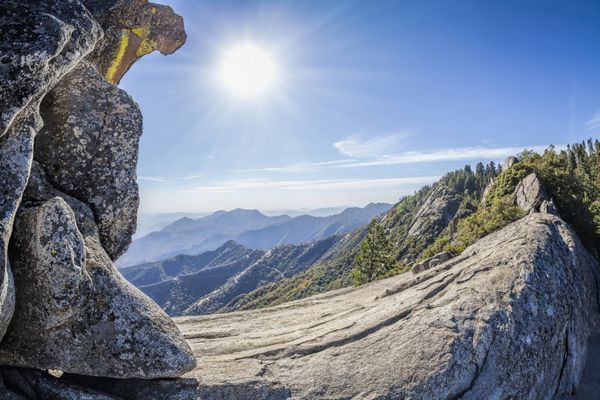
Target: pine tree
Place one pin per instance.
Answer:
(375, 257)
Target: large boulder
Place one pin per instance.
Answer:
(93, 321)
(530, 194)
(431, 262)
(133, 28)
(89, 149)
(40, 42)
(508, 162)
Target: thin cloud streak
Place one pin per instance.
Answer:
(456, 154)
(355, 147)
(410, 157)
(594, 122)
(312, 185)
(151, 178)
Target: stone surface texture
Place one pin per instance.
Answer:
(436, 212)
(95, 322)
(66, 307)
(133, 28)
(508, 162)
(89, 149)
(530, 194)
(39, 43)
(507, 319)
(431, 262)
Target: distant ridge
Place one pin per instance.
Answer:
(250, 228)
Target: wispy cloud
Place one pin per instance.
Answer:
(594, 122)
(450, 154)
(172, 178)
(354, 146)
(300, 167)
(152, 178)
(311, 185)
(473, 153)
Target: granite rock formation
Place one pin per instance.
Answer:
(436, 212)
(89, 149)
(95, 322)
(530, 194)
(58, 231)
(132, 29)
(508, 318)
(431, 262)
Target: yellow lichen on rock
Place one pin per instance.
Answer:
(114, 65)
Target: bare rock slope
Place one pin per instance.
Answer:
(509, 318)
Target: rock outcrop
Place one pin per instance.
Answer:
(431, 262)
(41, 41)
(132, 29)
(94, 322)
(508, 162)
(530, 195)
(436, 212)
(89, 149)
(72, 310)
(509, 318)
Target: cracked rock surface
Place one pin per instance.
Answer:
(508, 318)
(94, 322)
(89, 149)
(63, 304)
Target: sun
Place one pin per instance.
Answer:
(247, 70)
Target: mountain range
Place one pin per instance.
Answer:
(208, 282)
(250, 228)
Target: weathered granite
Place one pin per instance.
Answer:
(508, 318)
(89, 149)
(94, 322)
(431, 262)
(436, 212)
(39, 42)
(530, 194)
(508, 162)
(16, 153)
(133, 28)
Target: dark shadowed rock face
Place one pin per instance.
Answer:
(132, 29)
(89, 149)
(39, 43)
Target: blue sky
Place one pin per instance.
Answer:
(374, 99)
